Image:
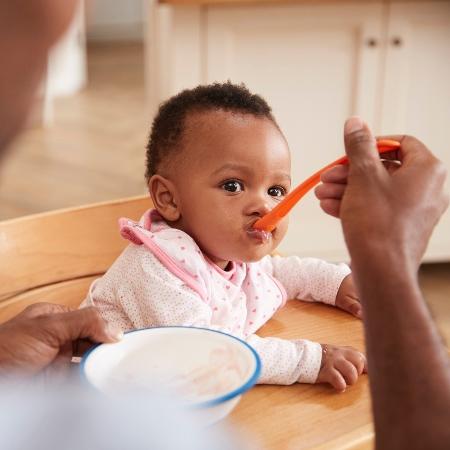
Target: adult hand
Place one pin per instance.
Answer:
(387, 217)
(385, 210)
(46, 335)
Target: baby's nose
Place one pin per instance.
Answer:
(259, 208)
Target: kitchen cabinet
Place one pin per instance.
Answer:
(316, 64)
(66, 71)
(416, 87)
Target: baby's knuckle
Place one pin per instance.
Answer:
(361, 361)
(335, 378)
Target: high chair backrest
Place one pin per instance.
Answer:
(54, 256)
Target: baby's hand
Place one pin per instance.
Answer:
(341, 366)
(347, 298)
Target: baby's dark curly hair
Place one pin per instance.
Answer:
(169, 124)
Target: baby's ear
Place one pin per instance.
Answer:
(164, 197)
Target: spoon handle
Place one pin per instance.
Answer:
(271, 219)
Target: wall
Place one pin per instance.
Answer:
(115, 20)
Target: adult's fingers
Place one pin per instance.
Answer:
(331, 206)
(330, 190)
(410, 150)
(81, 346)
(413, 151)
(360, 146)
(41, 309)
(336, 174)
(85, 323)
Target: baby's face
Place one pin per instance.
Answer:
(232, 170)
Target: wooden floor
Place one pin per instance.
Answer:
(95, 151)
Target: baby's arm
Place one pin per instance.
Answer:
(303, 361)
(287, 362)
(312, 279)
(307, 279)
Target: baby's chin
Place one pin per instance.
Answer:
(251, 256)
(242, 253)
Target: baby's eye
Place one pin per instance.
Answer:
(233, 186)
(277, 191)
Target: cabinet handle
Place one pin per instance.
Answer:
(397, 41)
(371, 42)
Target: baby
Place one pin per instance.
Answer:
(216, 162)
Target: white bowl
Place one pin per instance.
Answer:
(209, 370)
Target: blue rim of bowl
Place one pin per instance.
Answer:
(216, 401)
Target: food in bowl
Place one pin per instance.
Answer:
(208, 369)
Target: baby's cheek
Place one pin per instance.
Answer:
(227, 236)
(281, 230)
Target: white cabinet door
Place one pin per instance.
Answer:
(316, 65)
(67, 68)
(416, 96)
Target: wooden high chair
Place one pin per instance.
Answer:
(54, 256)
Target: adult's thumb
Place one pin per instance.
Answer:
(360, 145)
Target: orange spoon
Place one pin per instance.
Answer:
(270, 220)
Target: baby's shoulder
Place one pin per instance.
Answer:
(168, 251)
(134, 261)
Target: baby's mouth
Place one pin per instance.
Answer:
(260, 235)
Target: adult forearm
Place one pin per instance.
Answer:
(408, 363)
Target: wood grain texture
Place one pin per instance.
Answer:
(70, 293)
(48, 248)
(309, 416)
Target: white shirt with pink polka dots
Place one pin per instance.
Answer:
(164, 279)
